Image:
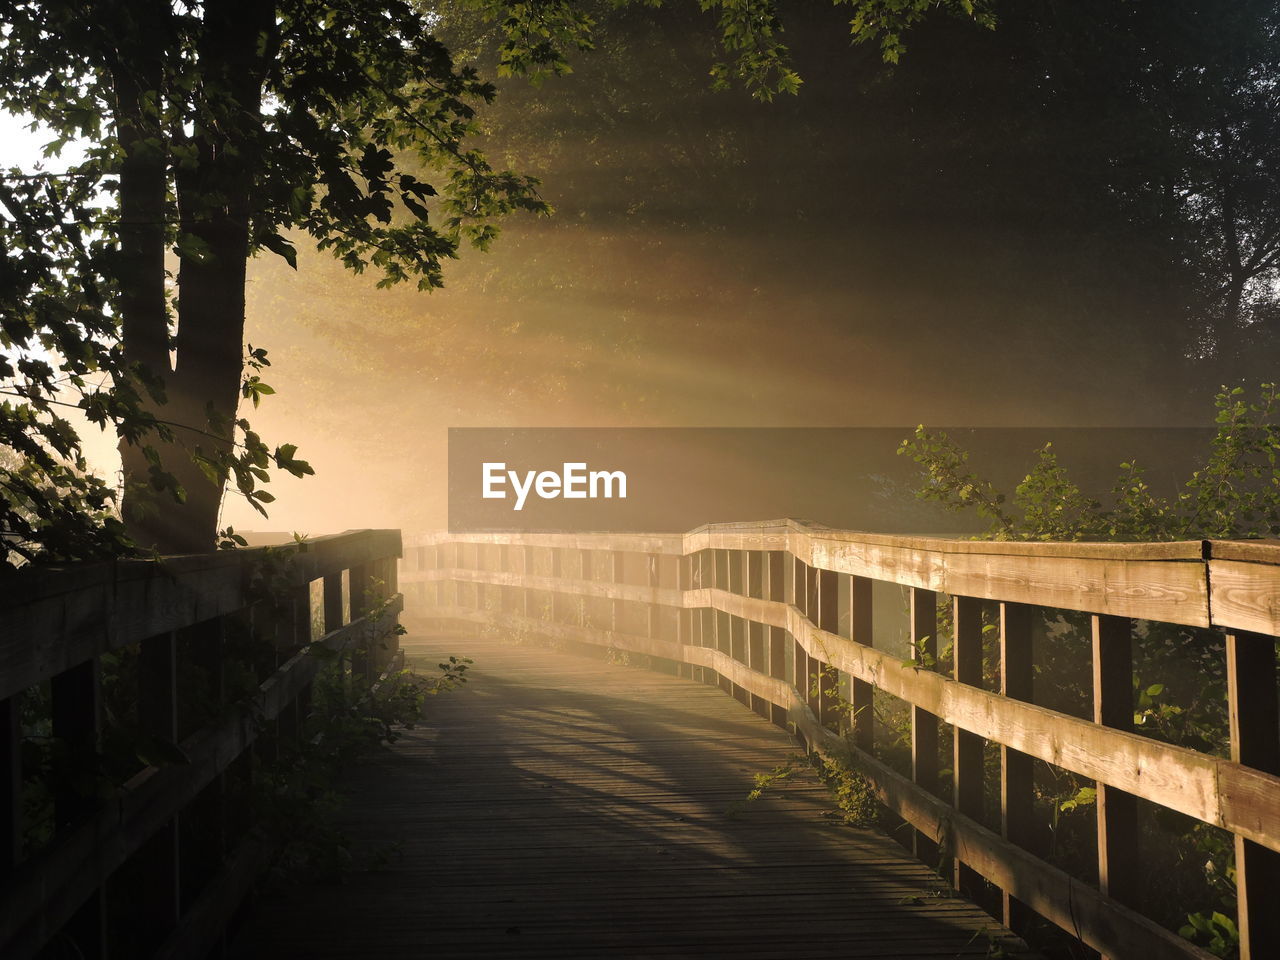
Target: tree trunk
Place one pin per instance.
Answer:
(135, 51)
(214, 203)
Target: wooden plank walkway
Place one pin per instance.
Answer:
(562, 807)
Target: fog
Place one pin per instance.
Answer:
(859, 255)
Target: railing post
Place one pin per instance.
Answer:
(1254, 719)
(293, 631)
(776, 590)
(800, 679)
(755, 573)
(968, 761)
(861, 693)
(332, 602)
(710, 638)
(828, 620)
(924, 725)
(158, 718)
(617, 574)
(738, 651)
(360, 586)
(775, 579)
(1117, 811)
(76, 710)
(10, 786)
(1016, 782)
(724, 643)
(812, 681)
(778, 670)
(391, 587)
(202, 853)
(758, 660)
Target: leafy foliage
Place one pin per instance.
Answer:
(214, 131)
(537, 35)
(1179, 678)
(1216, 931)
(1234, 493)
(332, 110)
(854, 796)
(886, 21)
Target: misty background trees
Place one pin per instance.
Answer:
(1010, 227)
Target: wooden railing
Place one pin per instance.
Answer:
(163, 861)
(767, 609)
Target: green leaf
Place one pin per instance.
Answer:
(281, 247)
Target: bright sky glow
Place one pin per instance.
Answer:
(20, 147)
(24, 148)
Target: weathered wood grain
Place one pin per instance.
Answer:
(1176, 777)
(1245, 596)
(1254, 716)
(1158, 581)
(1255, 551)
(1017, 780)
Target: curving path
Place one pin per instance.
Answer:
(562, 807)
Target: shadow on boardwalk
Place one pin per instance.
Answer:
(560, 807)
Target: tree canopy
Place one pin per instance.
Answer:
(221, 129)
(216, 130)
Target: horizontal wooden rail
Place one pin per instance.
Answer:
(765, 608)
(1169, 582)
(61, 617)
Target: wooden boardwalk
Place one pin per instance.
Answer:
(562, 807)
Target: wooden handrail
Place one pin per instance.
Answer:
(56, 624)
(750, 599)
(1197, 583)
